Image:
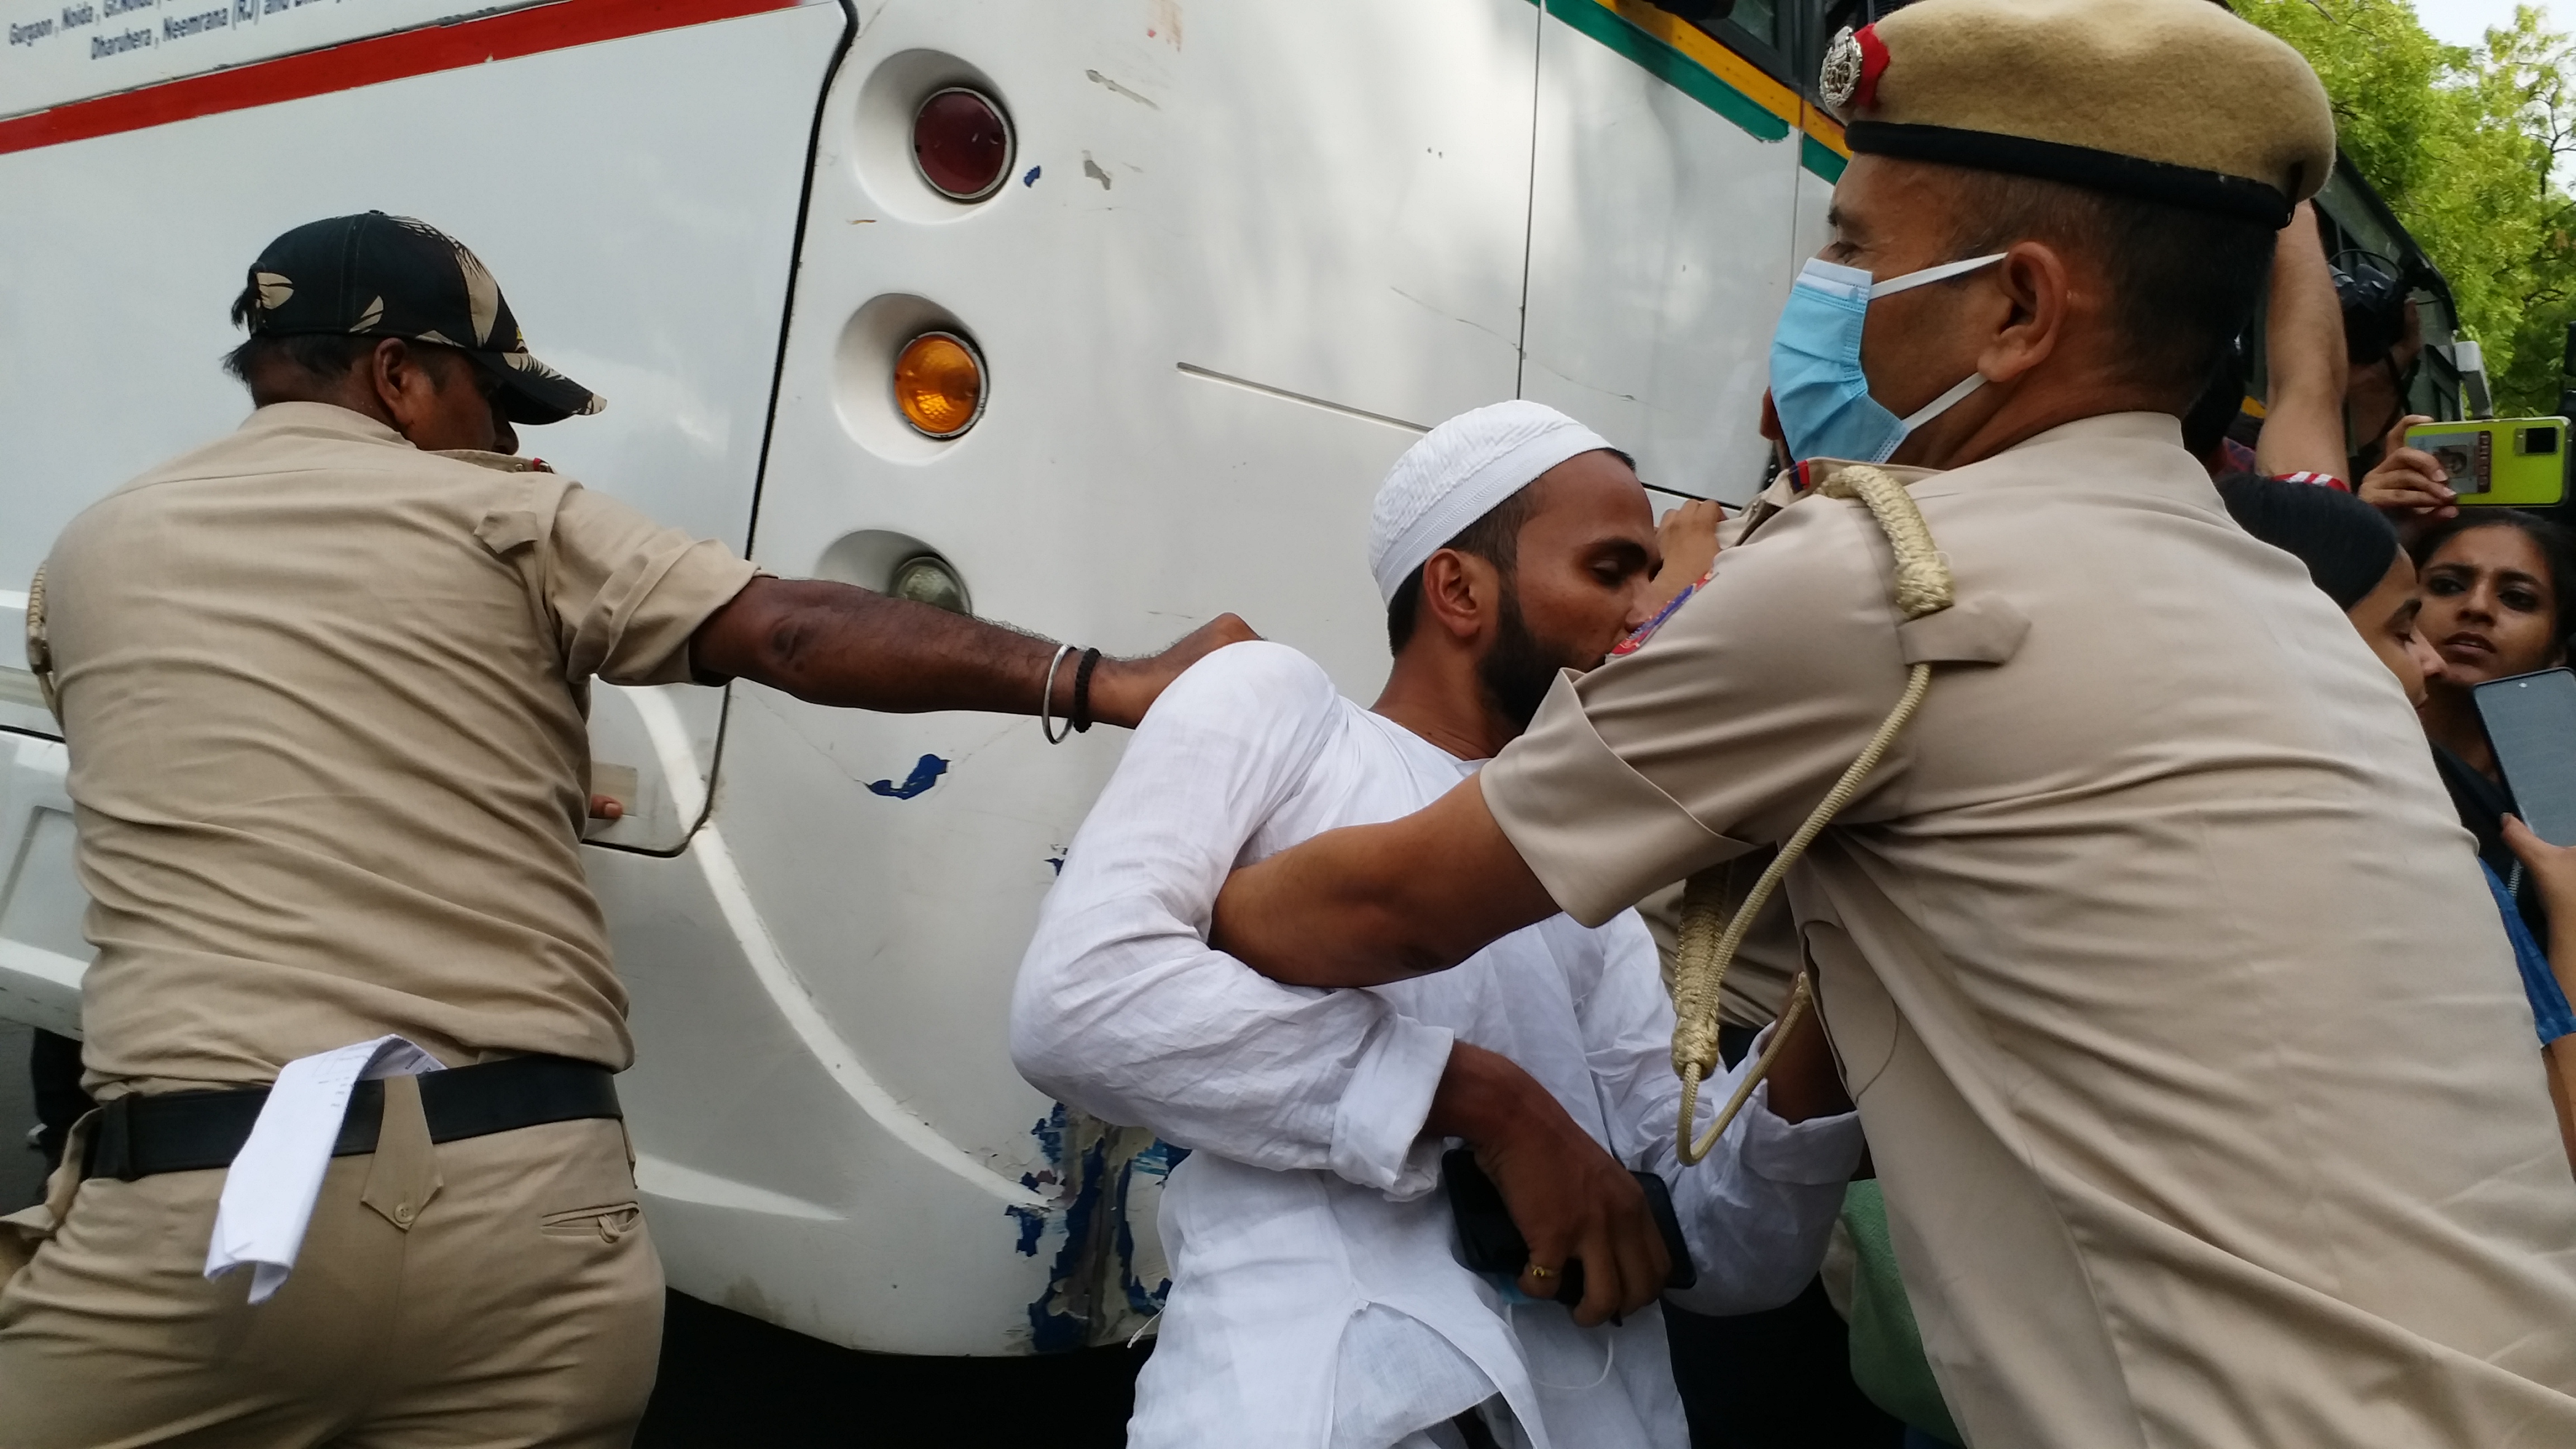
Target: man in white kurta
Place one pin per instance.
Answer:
(1318, 1300)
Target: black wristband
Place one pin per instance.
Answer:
(1081, 713)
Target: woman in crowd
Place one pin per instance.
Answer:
(2499, 599)
(2486, 606)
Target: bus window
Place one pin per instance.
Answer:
(1856, 13)
(1754, 29)
(1759, 19)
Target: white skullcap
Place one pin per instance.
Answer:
(1457, 474)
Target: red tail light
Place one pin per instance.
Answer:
(962, 143)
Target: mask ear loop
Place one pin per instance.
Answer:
(1966, 385)
(1946, 401)
(1929, 275)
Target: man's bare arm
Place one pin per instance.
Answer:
(1370, 904)
(833, 644)
(2304, 356)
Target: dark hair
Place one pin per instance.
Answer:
(2556, 545)
(322, 356)
(2346, 544)
(2184, 283)
(1495, 538)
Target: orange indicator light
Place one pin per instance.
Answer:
(939, 384)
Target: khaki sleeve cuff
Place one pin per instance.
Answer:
(701, 580)
(1599, 836)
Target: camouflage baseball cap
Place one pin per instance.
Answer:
(390, 276)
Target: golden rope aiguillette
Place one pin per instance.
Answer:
(1711, 933)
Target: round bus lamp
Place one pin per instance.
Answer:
(939, 384)
(961, 141)
(927, 579)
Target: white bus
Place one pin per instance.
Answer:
(1216, 262)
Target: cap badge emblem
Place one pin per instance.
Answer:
(1841, 75)
(1853, 63)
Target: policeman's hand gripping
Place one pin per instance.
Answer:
(1710, 932)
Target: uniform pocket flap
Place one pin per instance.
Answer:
(1977, 631)
(505, 529)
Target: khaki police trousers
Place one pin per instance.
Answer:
(495, 1290)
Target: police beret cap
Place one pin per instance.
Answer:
(2175, 101)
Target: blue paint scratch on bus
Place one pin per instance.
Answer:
(1092, 1168)
(925, 773)
(1156, 1163)
(1033, 1221)
(1059, 1320)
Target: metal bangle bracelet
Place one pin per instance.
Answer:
(1046, 700)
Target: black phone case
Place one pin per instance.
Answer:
(1492, 1243)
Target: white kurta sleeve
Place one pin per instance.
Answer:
(1756, 1212)
(1123, 1011)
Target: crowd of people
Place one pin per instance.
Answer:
(2134, 1040)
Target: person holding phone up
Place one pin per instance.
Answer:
(2499, 599)
(2408, 484)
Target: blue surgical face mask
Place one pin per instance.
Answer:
(1817, 386)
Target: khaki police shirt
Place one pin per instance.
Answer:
(2206, 1099)
(324, 696)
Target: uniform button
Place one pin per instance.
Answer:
(403, 1214)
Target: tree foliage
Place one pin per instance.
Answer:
(2466, 145)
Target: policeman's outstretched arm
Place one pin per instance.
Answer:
(830, 643)
(1370, 904)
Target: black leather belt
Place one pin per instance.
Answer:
(137, 1136)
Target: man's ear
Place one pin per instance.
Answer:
(1459, 593)
(2040, 290)
(405, 381)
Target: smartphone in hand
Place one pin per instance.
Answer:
(1491, 1242)
(2499, 462)
(2531, 721)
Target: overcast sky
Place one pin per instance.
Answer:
(2465, 22)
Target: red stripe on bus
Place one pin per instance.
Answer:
(368, 62)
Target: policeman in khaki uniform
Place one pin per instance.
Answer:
(323, 683)
(2192, 1057)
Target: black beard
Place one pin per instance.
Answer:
(1521, 668)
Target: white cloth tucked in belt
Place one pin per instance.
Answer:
(269, 1189)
